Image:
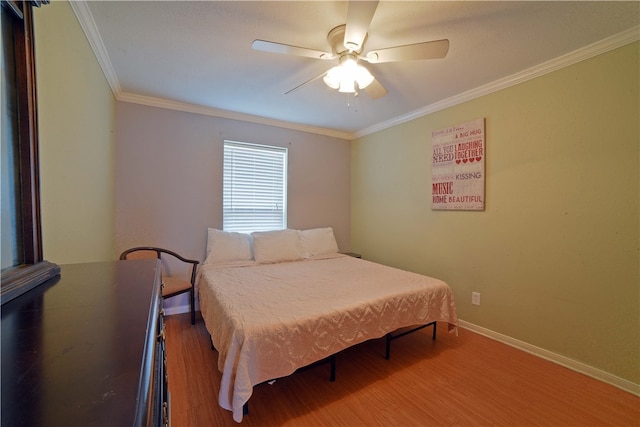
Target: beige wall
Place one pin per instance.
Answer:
(169, 178)
(76, 119)
(555, 255)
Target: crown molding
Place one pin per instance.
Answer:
(225, 114)
(83, 14)
(587, 52)
(88, 25)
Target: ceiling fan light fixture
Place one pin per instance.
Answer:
(347, 86)
(345, 76)
(363, 77)
(332, 78)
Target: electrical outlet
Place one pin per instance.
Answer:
(475, 298)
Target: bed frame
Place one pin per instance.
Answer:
(332, 359)
(390, 337)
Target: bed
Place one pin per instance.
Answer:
(274, 302)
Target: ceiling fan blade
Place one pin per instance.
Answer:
(308, 81)
(426, 50)
(359, 16)
(273, 47)
(375, 89)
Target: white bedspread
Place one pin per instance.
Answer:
(268, 320)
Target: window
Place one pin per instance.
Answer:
(254, 187)
(22, 265)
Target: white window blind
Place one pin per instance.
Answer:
(254, 187)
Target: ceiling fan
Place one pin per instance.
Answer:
(347, 44)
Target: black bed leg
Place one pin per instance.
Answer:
(389, 337)
(387, 353)
(332, 376)
(245, 409)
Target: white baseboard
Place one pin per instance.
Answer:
(177, 305)
(168, 311)
(574, 365)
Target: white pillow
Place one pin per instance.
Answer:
(225, 246)
(318, 241)
(275, 246)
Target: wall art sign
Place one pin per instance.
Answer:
(457, 167)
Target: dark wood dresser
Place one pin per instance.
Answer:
(87, 349)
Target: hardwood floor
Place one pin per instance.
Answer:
(468, 380)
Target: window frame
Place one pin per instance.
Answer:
(281, 154)
(18, 279)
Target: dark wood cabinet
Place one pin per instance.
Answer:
(87, 349)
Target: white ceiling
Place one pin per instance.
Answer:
(197, 56)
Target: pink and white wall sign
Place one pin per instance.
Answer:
(457, 167)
